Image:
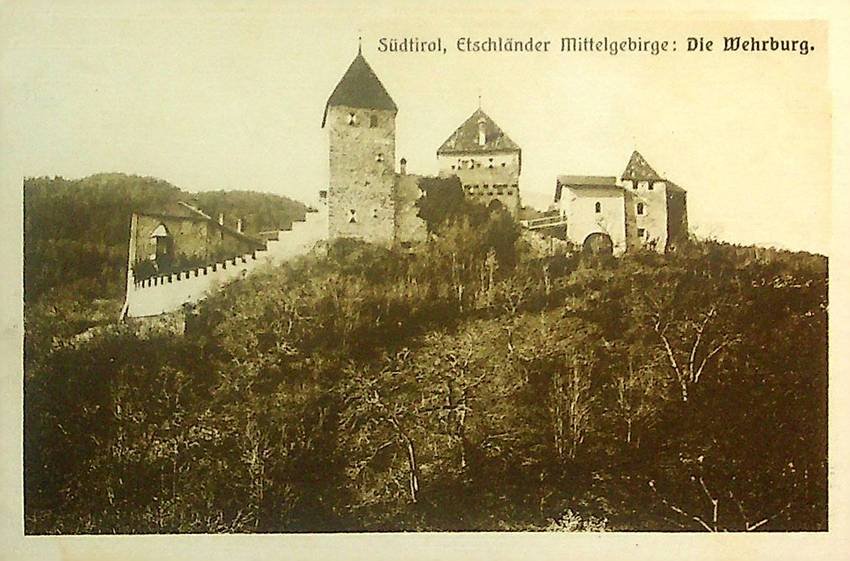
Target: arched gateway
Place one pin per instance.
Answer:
(598, 243)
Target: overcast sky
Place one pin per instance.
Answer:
(230, 96)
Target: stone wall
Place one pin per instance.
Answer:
(362, 174)
(677, 217)
(168, 293)
(486, 176)
(192, 237)
(578, 206)
(409, 228)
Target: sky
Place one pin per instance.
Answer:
(227, 95)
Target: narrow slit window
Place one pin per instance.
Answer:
(598, 207)
(352, 216)
(640, 208)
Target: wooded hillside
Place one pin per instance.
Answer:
(472, 385)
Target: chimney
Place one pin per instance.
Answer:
(482, 131)
(402, 166)
(221, 218)
(239, 225)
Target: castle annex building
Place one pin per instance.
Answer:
(641, 209)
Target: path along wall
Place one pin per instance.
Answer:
(167, 293)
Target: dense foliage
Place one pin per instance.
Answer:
(76, 231)
(471, 385)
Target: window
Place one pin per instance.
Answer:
(379, 157)
(634, 185)
(510, 193)
(352, 216)
(352, 119)
(640, 208)
(650, 185)
(453, 166)
(373, 121)
(598, 207)
(641, 232)
(491, 163)
(503, 164)
(374, 213)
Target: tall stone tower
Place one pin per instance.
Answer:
(360, 117)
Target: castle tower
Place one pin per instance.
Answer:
(360, 117)
(656, 208)
(486, 161)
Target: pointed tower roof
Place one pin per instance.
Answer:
(465, 138)
(639, 170)
(360, 87)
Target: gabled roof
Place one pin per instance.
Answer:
(577, 182)
(639, 170)
(465, 138)
(360, 87)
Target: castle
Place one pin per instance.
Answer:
(369, 200)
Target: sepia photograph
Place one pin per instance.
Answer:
(345, 270)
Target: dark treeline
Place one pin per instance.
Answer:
(471, 385)
(76, 231)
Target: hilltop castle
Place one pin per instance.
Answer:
(368, 200)
(178, 256)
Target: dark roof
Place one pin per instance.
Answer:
(672, 187)
(585, 182)
(360, 87)
(638, 169)
(465, 138)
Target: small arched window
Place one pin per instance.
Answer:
(373, 121)
(640, 208)
(598, 207)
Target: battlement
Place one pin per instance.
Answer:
(167, 293)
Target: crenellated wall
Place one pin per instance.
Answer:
(167, 293)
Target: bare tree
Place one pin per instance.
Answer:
(700, 345)
(571, 405)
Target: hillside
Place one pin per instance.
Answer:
(473, 385)
(76, 233)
